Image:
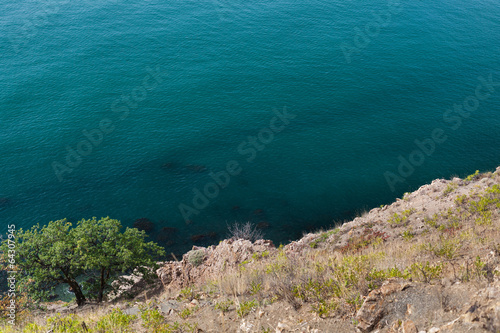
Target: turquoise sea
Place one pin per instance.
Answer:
(129, 109)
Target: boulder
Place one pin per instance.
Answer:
(210, 262)
(374, 306)
(484, 308)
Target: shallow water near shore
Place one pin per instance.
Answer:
(154, 97)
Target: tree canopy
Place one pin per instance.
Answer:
(87, 257)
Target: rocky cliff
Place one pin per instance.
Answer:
(431, 257)
(429, 262)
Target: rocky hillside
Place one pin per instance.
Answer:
(429, 262)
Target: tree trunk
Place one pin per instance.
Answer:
(80, 297)
(101, 287)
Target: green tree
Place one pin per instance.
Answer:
(45, 257)
(62, 254)
(107, 252)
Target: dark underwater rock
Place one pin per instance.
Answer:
(166, 234)
(144, 224)
(204, 237)
(4, 202)
(168, 165)
(258, 212)
(196, 168)
(263, 225)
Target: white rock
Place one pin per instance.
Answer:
(281, 327)
(434, 330)
(246, 327)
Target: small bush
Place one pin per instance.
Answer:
(368, 237)
(450, 188)
(408, 235)
(479, 267)
(399, 219)
(196, 257)
(473, 270)
(244, 308)
(322, 237)
(187, 312)
(447, 247)
(223, 306)
(257, 255)
(188, 293)
(246, 231)
(472, 177)
(324, 308)
(152, 319)
(376, 277)
(426, 272)
(30, 328)
(255, 287)
(154, 322)
(66, 324)
(432, 221)
(115, 321)
(461, 199)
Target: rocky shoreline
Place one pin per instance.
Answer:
(429, 262)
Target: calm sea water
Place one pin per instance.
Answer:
(171, 91)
